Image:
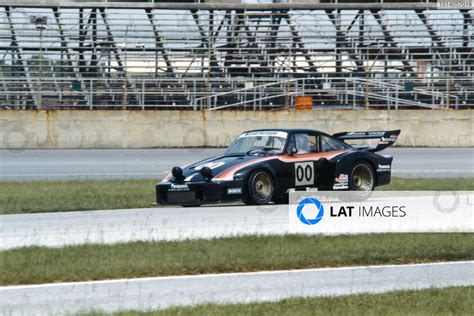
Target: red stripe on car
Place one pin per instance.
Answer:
(229, 174)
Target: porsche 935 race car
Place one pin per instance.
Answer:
(263, 165)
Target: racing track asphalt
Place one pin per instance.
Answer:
(168, 223)
(162, 292)
(107, 227)
(155, 163)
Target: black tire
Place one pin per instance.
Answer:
(362, 177)
(260, 188)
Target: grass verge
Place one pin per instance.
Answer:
(78, 195)
(239, 254)
(447, 301)
(74, 195)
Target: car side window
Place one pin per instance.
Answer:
(277, 142)
(329, 144)
(306, 143)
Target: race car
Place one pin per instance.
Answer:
(264, 165)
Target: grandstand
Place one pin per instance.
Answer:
(232, 55)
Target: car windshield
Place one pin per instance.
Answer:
(257, 142)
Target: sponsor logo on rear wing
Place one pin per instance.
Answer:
(386, 138)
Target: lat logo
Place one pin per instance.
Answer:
(345, 211)
(308, 203)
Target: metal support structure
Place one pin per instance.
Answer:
(81, 38)
(64, 43)
(468, 20)
(341, 42)
(435, 39)
(297, 39)
(92, 70)
(168, 55)
(111, 42)
(158, 41)
(16, 51)
(390, 40)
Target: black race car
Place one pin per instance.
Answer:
(263, 165)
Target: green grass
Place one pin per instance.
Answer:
(78, 195)
(240, 254)
(447, 301)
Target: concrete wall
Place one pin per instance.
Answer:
(145, 129)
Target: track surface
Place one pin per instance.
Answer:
(162, 292)
(177, 223)
(106, 227)
(155, 163)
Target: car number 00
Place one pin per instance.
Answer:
(304, 173)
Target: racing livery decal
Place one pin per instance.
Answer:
(304, 173)
(341, 182)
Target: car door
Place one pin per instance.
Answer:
(303, 165)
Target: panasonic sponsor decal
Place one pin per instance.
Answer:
(380, 212)
(383, 168)
(179, 187)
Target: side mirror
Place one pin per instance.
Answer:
(293, 150)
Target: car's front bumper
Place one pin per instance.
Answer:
(196, 193)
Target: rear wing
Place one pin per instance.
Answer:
(387, 138)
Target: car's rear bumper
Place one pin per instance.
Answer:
(196, 193)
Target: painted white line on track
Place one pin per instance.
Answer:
(58, 229)
(163, 292)
(212, 275)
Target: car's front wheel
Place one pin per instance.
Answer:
(362, 177)
(260, 188)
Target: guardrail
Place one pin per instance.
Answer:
(256, 95)
(218, 94)
(391, 93)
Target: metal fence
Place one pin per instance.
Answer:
(220, 56)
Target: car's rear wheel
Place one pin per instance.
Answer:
(362, 177)
(260, 188)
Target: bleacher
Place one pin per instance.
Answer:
(160, 55)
